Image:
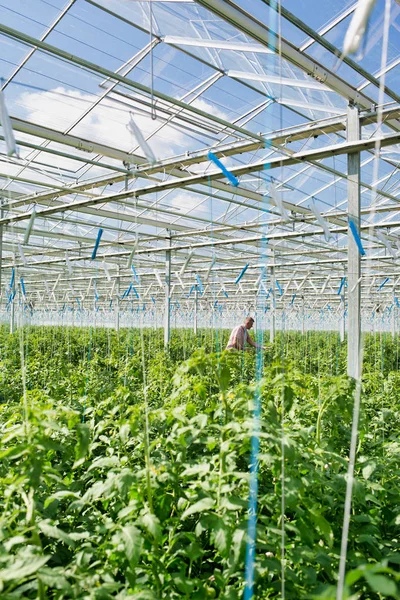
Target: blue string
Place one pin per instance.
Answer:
(234, 181)
(255, 439)
(357, 238)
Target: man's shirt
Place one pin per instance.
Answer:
(238, 338)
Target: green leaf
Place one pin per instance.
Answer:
(200, 506)
(20, 569)
(56, 533)
(152, 524)
(133, 543)
(368, 470)
(106, 461)
(54, 578)
(83, 435)
(58, 496)
(221, 536)
(184, 584)
(381, 584)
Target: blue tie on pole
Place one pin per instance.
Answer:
(136, 276)
(342, 282)
(383, 284)
(97, 243)
(279, 288)
(234, 181)
(12, 277)
(22, 286)
(242, 272)
(356, 237)
(201, 288)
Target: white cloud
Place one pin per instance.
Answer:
(189, 202)
(209, 108)
(106, 123)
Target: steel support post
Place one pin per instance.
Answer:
(118, 286)
(393, 313)
(273, 307)
(342, 322)
(167, 310)
(302, 316)
(1, 239)
(353, 259)
(195, 309)
(12, 308)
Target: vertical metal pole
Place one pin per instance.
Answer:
(342, 322)
(302, 315)
(118, 286)
(353, 259)
(167, 310)
(12, 308)
(1, 240)
(393, 314)
(195, 309)
(272, 322)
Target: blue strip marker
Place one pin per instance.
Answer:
(397, 301)
(225, 294)
(357, 239)
(136, 276)
(216, 304)
(22, 286)
(383, 284)
(97, 243)
(293, 299)
(153, 301)
(201, 288)
(342, 282)
(12, 277)
(279, 288)
(242, 272)
(128, 291)
(191, 290)
(135, 291)
(234, 181)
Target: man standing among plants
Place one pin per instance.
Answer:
(240, 336)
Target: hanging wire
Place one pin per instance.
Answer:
(357, 394)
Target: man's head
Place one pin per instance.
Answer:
(249, 322)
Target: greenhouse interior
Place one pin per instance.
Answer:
(199, 299)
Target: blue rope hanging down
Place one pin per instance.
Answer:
(200, 284)
(357, 239)
(234, 180)
(279, 288)
(97, 243)
(383, 284)
(342, 282)
(127, 291)
(136, 276)
(23, 287)
(12, 278)
(242, 272)
(293, 299)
